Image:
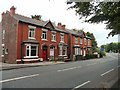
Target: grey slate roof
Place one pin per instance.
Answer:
(35, 22)
(43, 23)
(29, 20)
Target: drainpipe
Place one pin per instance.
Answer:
(21, 45)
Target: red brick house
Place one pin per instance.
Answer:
(79, 43)
(26, 39)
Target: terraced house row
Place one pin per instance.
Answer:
(27, 39)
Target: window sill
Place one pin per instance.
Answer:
(31, 57)
(61, 41)
(31, 38)
(44, 40)
(53, 41)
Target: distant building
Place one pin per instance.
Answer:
(31, 40)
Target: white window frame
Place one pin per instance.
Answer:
(65, 48)
(32, 32)
(88, 42)
(29, 47)
(6, 51)
(61, 37)
(60, 50)
(76, 40)
(44, 30)
(80, 40)
(54, 36)
(76, 51)
(52, 51)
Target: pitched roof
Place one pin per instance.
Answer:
(29, 20)
(36, 22)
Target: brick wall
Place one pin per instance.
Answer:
(9, 24)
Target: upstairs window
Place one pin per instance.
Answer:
(80, 40)
(84, 41)
(44, 34)
(61, 37)
(31, 32)
(88, 42)
(53, 36)
(76, 40)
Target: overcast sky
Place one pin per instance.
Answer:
(56, 11)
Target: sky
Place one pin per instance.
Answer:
(57, 11)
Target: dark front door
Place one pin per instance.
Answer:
(44, 53)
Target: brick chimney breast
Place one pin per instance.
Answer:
(12, 11)
(59, 25)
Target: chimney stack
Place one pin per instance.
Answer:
(12, 11)
(63, 27)
(59, 25)
(3, 15)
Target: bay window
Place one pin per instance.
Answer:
(31, 50)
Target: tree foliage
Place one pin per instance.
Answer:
(94, 42)
(112, 47)
(96, 12)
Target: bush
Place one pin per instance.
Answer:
(90, 56)
(102, 54)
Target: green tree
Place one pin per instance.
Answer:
(94, 42)
(96, 12)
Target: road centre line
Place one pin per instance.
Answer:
(69, 69)
(91, 64)
(107, 72)
(18, 78)
(81, 85)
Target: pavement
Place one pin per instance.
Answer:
(6, 66)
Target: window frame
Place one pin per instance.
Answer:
(61, 37)
(76, 40)
(53, 36)
(28, 47)
(32, 32)
(80, 40)
(44, 30)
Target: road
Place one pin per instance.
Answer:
(96, 73)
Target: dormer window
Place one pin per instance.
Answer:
(31, 34)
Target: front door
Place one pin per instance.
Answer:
(44, 55)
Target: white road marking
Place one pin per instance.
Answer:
(18, 78)
(91, 64)
(107, 72)
(81, 85)
(69, 68)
